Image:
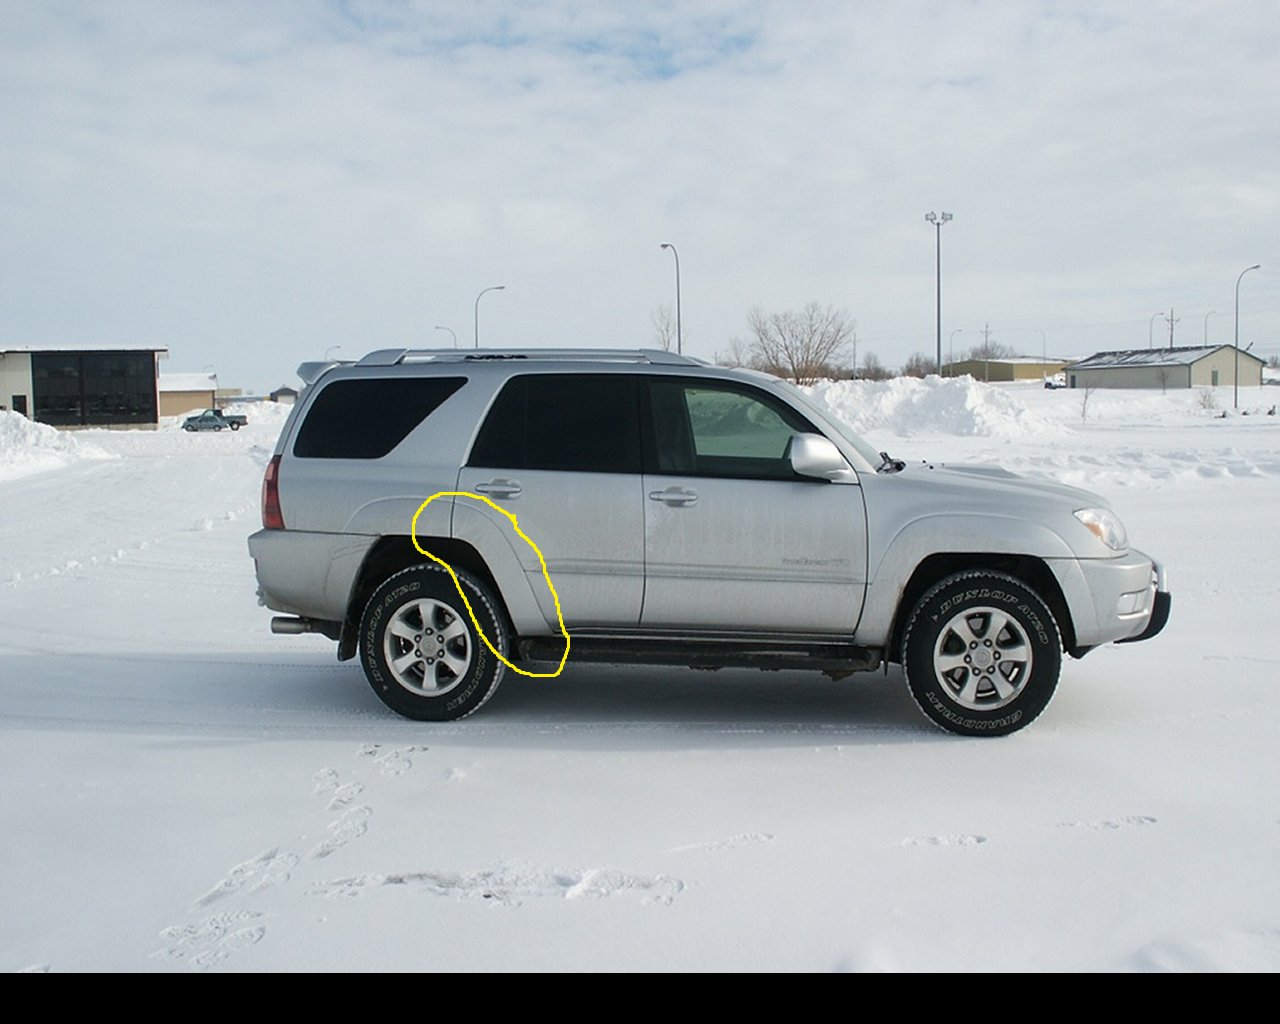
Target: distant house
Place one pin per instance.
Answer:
(285, 395)
(1006, 369)
(1182, 367)
(181, 393)
(82, 385)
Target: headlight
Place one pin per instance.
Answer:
(1105, 525)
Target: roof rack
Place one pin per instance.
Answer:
(393, 356)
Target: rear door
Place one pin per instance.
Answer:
(735, 540)
(561, 452)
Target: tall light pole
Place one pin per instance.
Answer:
(1206, 326)
(450, 330)
(937, 220)
(679, 334)
(1236, 399)
(1150, 324)
(493, 288)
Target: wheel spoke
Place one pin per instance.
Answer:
(1016, 652)
(969, 692)
(457, 663)
(404, 630)
(960, 626)
(1004, 688)
(454, 629)
(996, 622)
(401, 665)
(948, 663)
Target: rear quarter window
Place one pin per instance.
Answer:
(366, 419)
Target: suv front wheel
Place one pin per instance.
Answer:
(982, 654)
(420, 649)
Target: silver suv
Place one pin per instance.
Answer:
(686, 515)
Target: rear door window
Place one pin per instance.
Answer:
(578, 423)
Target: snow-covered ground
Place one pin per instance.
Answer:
(182, 790)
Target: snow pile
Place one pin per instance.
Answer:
(907, 407)
(28, 447)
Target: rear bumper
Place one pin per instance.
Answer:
(307, 574)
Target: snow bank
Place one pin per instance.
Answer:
(907, 407)
(28, 447)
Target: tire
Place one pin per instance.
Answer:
(459, 673)
(235, 426)
(982, 654)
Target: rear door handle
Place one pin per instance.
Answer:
(675, 497)
(500, 488)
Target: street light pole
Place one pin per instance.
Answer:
(451, 333)
(1206, 326)
(937, 220)
(1236, 382)
(679, 328)
(1150, 324)
(951, 347)
(493, 288)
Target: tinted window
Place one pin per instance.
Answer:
(365, 419)
(702, 429)
(584, 423)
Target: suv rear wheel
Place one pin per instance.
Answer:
(982, 654)
(420, 649)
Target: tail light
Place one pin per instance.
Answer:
(272, 517)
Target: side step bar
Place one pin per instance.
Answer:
(763, 654)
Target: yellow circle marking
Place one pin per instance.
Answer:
(413, 533)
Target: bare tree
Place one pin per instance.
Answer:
(800, 344)
(919, 365)
(873, 369)
(664, 327)
(992, 350)
(736, 356)
(1087, 388)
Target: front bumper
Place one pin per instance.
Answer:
(1161, 600)
(1114, 599)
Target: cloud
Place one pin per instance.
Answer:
(252, 184)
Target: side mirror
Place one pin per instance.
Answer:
(814, 456)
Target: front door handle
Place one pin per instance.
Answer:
(675, 497)
(499, 488)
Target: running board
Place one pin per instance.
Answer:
(763, 654)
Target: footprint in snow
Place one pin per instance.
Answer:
(212, 939)
(511, 884)
(726, 844)
(1129, 821)
(390, 762)
(270, 867)
(960, 839)
(352, 824)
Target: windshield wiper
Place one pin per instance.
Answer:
(890, 465)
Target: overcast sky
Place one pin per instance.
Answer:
(253, 184)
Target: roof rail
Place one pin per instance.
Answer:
(392, 356)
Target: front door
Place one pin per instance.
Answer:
(734, 539)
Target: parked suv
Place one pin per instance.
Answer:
(687, 515)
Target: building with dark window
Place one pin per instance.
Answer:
(82, 386)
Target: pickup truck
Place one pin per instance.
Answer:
(215, 419)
